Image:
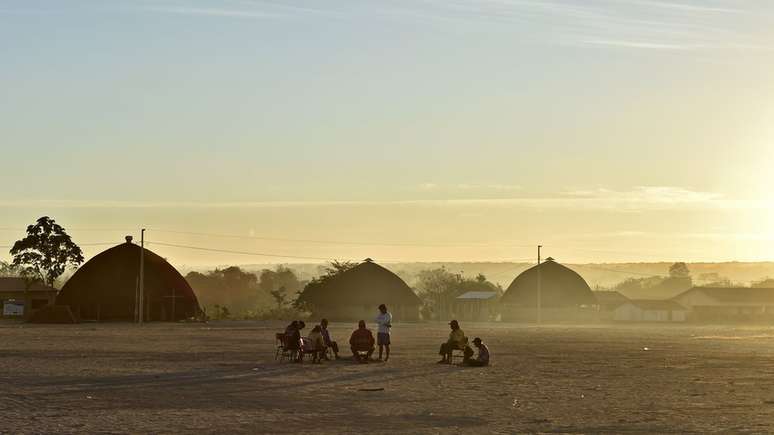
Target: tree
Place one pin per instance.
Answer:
(229, 287)
(310, 295)
(280, 297)
(280, 278)
(437, 288)
(46, 252)
(8, 270)
(679, 270)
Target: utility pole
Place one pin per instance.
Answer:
(539, 287)
(142, 274)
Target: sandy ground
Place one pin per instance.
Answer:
(222, 377)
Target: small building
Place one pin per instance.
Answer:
(563, 294)
(728, 304)
(607, 302)
(20, 297)
(477, 306)
(356, 293)
(648, 310)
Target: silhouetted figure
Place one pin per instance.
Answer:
(327, 337)
(482, 359)
(362, 340)
(457, 340)
(315, 344)
(384, 321)
(293, 340)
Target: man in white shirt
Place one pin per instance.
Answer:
(384, 320)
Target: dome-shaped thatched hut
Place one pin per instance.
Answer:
(356, 293)
(564, 295)
(105, 288)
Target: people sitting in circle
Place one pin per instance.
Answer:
(457, 340)
(362, 343)
(315, 344)
(327, 338)
(482, 359)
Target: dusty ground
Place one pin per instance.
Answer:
(222, 377)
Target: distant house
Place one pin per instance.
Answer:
(607, 302)
(712, 304)
(20, 297)
(477, 306)
(647, 310)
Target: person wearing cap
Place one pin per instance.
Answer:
(362, 340)
(457, 340)
(384, 320)
(482, 359)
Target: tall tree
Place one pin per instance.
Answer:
(679, 270)
(46, 252)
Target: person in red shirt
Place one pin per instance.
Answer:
(362, 340)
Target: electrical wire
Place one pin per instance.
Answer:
(228, 251)
(338, 242)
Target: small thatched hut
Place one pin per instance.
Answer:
(105, 288)
(564, 295)
(356, 293)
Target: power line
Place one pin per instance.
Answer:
(228, 251)
(79, 244)
(336, 242)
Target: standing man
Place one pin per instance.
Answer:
(384, 320)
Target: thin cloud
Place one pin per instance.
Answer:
(641, 44)
(214, 12)
(647, 198)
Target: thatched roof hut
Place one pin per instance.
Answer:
(356, 293)
(564, 295)
(105, 288)
(560, 286)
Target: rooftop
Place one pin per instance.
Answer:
(9, 285)
(652, 304)
(735, 294)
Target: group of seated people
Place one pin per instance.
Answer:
(316, 343)
(458, 341)
(362, 344)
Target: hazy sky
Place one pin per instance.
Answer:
(400, 130)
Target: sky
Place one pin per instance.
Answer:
(422, 130)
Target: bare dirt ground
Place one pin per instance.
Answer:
(222, 377)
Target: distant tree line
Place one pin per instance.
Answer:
(438, 289)
(235, 293)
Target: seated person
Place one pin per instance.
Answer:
(362, 340)
(457, 340)
(482, 359)
(315, 344)
(327, 337)
(293, 341)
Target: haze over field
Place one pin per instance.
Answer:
(608, 131)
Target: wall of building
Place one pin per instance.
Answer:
(520, 314)
(30, 301)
